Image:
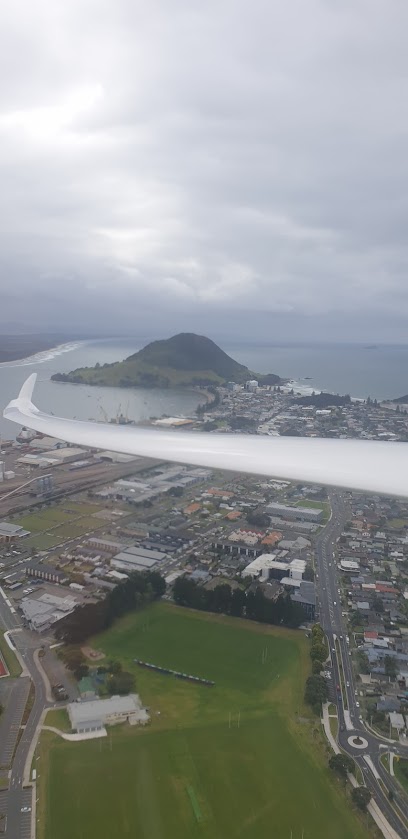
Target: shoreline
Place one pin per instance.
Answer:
(41, 355)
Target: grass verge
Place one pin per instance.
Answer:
(10, 658)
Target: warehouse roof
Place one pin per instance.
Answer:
(133, 559)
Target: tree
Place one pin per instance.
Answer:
(258, 519)
(81, 671)
(318, 651)
(387, 571)
(74, 659)
(238, 599)
(342, 764)
(356, 618)
(377, 605)
(361, 797)
(363, 662)
(122, 683)
(309, 573)
(316, 692)
(115, 667)
(390, 667)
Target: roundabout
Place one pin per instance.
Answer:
(357, 742)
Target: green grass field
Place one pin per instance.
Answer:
(55, 525)
(42, 541)
(401, 777)
(12, 663)
(241, 759)
(58, 718)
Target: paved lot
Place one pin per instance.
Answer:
(25, 819)
(58, 675)
(11, 719)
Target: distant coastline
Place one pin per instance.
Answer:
(24, 347)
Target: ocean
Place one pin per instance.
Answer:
(379, 372)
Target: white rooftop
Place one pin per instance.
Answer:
(101, 709)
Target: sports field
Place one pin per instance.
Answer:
(54, 525)
(240, 759)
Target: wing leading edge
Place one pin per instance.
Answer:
(375, 467)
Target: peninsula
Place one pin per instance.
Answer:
(185, 360)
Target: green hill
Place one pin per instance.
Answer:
(185, 360)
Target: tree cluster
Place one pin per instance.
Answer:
(342, 764)
(318, 649)
(258, 519)
(316, 685)
(252, 605)
(133, 593)
(316, 692)
(119, 681)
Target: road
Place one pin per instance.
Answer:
(18, 824)
(348, 708)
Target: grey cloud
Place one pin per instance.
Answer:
(192, 160)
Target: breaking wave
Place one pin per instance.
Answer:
(44, 355)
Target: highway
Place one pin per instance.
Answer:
(347, 701)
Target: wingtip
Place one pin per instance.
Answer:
(26, 391)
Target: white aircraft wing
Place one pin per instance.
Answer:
(375, 467)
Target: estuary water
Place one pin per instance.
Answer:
(82, 401)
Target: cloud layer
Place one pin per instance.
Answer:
(191, 160)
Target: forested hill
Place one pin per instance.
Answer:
(185, 360)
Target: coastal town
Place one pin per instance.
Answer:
(76, 524)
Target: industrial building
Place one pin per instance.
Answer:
(105, 545)
(138, 490)
(45, 572)
(137, 559)
(310, 514)
(9, 532)
(54, 457)
(42, 612)
(94, 714)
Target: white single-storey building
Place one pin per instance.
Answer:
(96, 713)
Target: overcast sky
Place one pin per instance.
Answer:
(236, 165)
